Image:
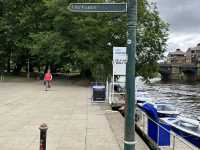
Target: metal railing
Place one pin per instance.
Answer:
(112, 94)
(176, 141)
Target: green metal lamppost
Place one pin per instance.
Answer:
(129, 137)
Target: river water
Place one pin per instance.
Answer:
(185, 96)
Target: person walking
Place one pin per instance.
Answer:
(47, 78)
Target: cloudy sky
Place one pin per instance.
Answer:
(184, 19)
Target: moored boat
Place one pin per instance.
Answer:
(164, 109)
(189, 129)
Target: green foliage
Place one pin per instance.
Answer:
(46, 33)
(152, 35)
(47, 46)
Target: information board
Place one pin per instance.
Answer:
(119, 60)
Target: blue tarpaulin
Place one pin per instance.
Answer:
(155, 128)
(151, 111)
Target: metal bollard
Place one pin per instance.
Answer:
(43, 135)
(173, 146)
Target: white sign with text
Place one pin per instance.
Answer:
(119, 60)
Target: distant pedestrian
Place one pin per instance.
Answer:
(47, 79)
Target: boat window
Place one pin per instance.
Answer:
(166, 108)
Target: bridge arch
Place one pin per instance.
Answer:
(189, 71)
(165, 71)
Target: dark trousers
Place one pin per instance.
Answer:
(47, 83)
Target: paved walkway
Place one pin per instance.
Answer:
(74, 123)
(117, 126)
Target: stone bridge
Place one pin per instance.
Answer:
(182, 72)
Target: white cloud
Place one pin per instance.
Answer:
(184, 20)
(182, 41)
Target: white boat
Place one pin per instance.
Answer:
(187, 128)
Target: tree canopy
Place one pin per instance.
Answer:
(48, 34)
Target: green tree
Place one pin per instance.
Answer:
(47, 47)
(101, 30)
(47, 33)
(152, 34)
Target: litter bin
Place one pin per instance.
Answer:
(157, 131)
(99, 93)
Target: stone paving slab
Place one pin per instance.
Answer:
(74, 122)
(117, 125)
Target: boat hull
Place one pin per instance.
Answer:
(187, 136)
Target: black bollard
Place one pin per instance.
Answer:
(43, 135)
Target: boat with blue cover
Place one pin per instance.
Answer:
(156, 129)
(164, 109)
(165, 114)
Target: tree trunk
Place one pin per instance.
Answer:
(86, 73)
(17, 69)
(8, 64)
(53, 68)
(46, 68)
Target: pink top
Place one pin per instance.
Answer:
(48, 76)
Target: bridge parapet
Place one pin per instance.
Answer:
(189, 72)
(165, 68)
(188, 68)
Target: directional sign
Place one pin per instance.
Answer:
(98, 7)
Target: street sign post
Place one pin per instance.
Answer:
(98, 7)
(131, 9)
